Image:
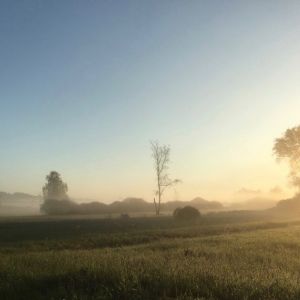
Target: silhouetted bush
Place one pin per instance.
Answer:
(186, 213)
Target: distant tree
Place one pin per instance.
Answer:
(288, 147)
(161, 156)
(187, 213)
(55, 188)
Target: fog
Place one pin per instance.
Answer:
(21, 204)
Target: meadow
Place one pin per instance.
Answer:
(221, 256)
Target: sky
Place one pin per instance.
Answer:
(86, 85)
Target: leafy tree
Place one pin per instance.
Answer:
(161, 156)
(288, 147)
(55, 188)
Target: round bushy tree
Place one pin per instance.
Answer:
(55, 188)
(56, 200)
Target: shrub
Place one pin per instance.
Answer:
(186, 213)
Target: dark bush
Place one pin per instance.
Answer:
(186, 213)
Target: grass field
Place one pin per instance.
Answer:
(223, 256)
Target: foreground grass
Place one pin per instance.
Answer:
(250, 261)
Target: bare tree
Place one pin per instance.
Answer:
(161, 156)
(288, 147)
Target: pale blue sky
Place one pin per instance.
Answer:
(84, 86)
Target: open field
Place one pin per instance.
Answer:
(240, 257)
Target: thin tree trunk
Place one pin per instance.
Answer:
(159, 193)
(155, 206)
(159, 197)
